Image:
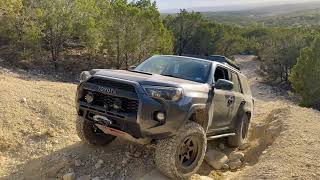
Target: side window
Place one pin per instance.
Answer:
(221, 73)
(236, 82)
(245, 85)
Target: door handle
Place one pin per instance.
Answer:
(231, 100)
(243, 102)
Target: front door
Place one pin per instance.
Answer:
(223, 100)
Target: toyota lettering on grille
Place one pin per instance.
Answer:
(107, 90)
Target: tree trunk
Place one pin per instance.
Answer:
(118, 51)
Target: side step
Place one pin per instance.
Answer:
(220, 136)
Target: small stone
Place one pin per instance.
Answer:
(264, 152)
(69, 176)
(77, 163)
(99, 164)
(70, 170)
(124, 162)
(96, 178)
(127, 154)
(55, 141)
(216, 159)
(131, 147)
(221, 146)
(234, 156)
(225, 166)
(137, 154)
(24, 100)
(85, 177)
(235, 164)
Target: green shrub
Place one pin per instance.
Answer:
(305, 76)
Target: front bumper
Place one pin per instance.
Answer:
(140, 124)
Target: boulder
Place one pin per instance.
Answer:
(216, 159)
(235, 156)
(235, 164)
(244, 146)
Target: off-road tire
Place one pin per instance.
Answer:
(241, 136)
(168, 150)
(91, 134)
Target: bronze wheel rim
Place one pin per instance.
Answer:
(188, 152)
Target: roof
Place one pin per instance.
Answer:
(212, 58)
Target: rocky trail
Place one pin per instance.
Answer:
(38, 138)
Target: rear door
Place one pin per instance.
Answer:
(221, 102)
(238, 96)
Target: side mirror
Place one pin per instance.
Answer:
(224, 85)
(132, 67)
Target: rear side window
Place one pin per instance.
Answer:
(236, 82)
(245, 85)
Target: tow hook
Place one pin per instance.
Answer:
(102, 119)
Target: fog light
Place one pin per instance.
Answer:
(89, 98)
(160, 116)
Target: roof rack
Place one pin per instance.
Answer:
(217, 58)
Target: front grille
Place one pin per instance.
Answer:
(112, 84)
(112, 103)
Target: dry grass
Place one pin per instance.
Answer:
(35, 127)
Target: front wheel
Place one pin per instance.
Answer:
(241, 133)
(181, 156)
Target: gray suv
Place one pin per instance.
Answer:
(175, 102)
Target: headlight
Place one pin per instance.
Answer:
(166, 93)
(85, 75)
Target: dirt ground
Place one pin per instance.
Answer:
(38, 138)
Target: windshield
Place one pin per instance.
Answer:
(183, 68)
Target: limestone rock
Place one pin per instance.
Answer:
(69, 176)
(234, 156)
(235, 164)
(216, 159)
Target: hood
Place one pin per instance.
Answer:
(152, 80)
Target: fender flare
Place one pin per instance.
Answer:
(199, 107)
(242, 110)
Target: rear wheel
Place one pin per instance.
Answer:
(241, 133)
(91, 134)
(181, 156)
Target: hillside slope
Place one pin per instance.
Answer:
(38, 138)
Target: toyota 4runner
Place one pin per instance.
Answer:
(175, 102)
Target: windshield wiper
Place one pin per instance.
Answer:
(140, 72)
(170, 75)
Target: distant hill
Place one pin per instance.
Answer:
(310, 17)
(299, 14)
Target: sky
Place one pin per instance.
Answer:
(165, 5)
